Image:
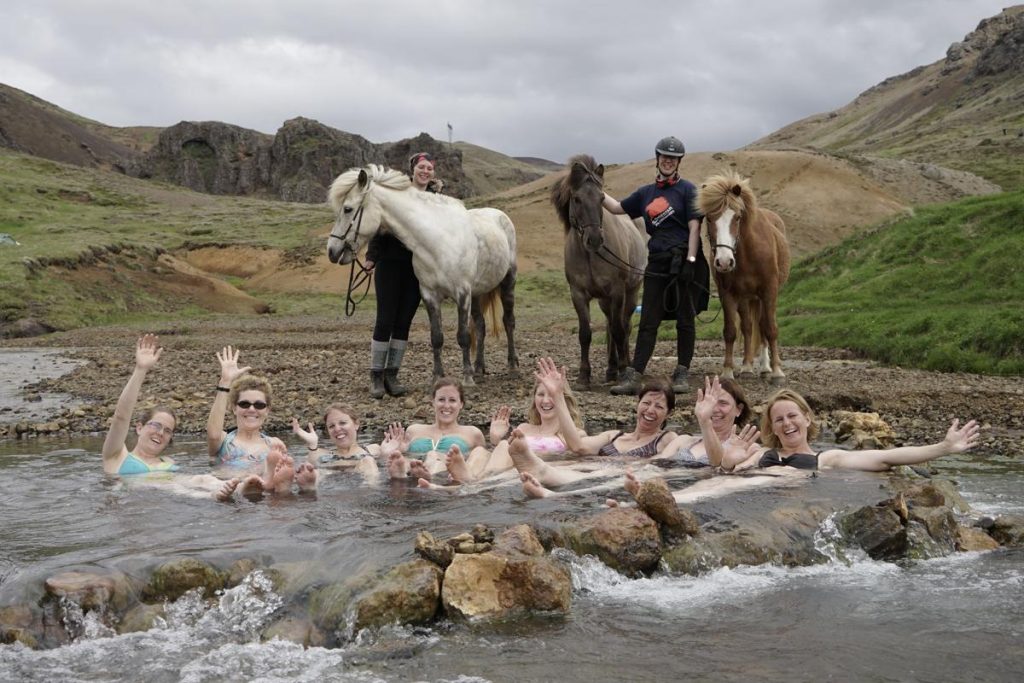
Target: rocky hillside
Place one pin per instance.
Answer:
(965, 111)
(297, 164)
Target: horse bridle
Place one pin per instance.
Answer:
(364, 276)
(718, 245)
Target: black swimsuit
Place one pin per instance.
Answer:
(801, 461)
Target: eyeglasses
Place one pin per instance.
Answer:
(245, 405)
(169, 431)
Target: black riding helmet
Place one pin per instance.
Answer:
(670, 147)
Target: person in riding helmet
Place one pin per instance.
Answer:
(677, 279)
(397, 290)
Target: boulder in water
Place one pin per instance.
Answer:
(407, 594)
(625, 539)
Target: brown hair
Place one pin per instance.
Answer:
(150, 413)
(342, 408)
(419, 156)
(768, 437)
(249, 383)
(533, 417)
(448, 382)
(733, 388)
(657, 384)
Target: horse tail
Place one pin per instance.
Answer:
(490, 303)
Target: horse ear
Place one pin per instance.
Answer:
(363, 178)
(600, 171)
(576, 174)
(737, 190)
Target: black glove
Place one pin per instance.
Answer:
(686, 273)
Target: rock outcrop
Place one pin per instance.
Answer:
(297, 164)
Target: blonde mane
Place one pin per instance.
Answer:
(385, 177)
(718, 193)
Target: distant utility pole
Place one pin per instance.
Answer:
(449, 135)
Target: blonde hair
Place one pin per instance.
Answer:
(344, 409)
(533, 417)
(768, 437)
(249, 383)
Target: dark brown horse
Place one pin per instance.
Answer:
(751, 259)
(605, 257)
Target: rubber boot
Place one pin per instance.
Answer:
(679, 379)
(630, 383)
(377, 384)
(396, 351)
(392, 385)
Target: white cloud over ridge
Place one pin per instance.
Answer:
(547, 79)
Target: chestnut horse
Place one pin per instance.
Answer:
(605, 258)
(751, 259)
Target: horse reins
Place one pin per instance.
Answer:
(356, 281)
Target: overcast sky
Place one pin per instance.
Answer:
(544, 78)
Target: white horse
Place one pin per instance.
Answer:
(465, 255)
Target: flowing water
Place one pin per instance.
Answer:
(954, 618)
(959, 618)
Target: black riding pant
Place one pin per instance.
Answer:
(398, 297)
(665, 296)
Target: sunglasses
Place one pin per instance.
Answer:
(245, 405)
(160, 428)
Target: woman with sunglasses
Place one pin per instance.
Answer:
(397, 291)
(155, 431)
(247, 446)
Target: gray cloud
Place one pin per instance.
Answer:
(534, 78)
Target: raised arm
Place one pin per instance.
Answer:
(310, 438)
(229, 371)
(707, 398)
(958, 439)
(147, 353)
(553, 381)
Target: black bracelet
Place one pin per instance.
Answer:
(224, 389)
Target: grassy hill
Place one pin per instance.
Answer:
(964, 112)
(940, 290)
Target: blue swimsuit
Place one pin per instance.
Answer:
(132, 464)
(418, 448)
(235, 456)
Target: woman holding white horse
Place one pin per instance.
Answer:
(398, 293)
(677, 278)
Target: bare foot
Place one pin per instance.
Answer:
(532, 487)
(398, 466)
(306, 476)
(251, 484)
(611, 503)
(522, 456)
(419, 470)
(632, 484)
(281, 480)
(274, 457)
(424, 483)
(456, 465)
(226, 491)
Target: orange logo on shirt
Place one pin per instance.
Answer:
(657, 207)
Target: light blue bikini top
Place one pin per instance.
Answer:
(132, 464)
(423, 445)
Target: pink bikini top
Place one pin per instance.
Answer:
(546, 444)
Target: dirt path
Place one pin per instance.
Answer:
(312, 361)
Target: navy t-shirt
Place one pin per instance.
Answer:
(666, 212)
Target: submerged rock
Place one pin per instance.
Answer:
(173, 579)
(142, 617)
(20, 624)
(878, 530)
(296, 630)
